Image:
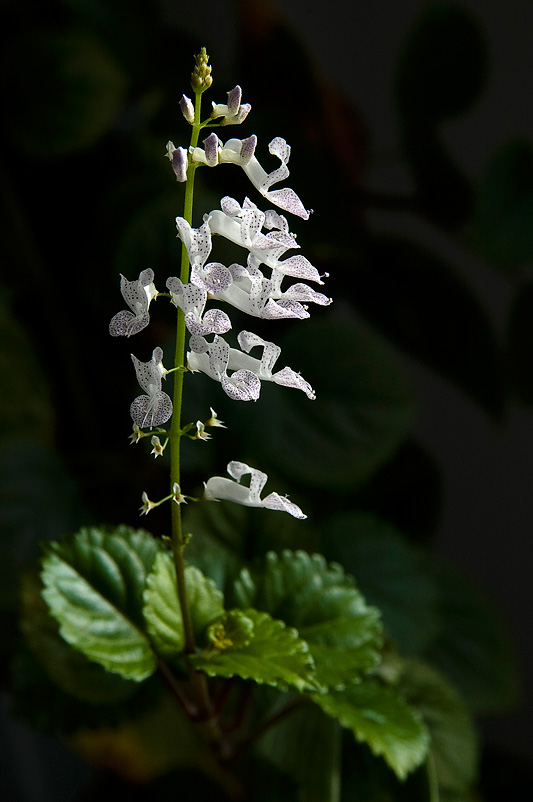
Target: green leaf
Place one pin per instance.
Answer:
(67, 667)
(363, 410)
(379, 717)
(323, 603)
(392, 574)
(443, 64)
(307, 746)
(265, 651)
(94, 582)
(504, 207)
(472, 647)
(162, 610)
(453, 736)
(62, 92)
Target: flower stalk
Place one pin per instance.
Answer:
(175, 434)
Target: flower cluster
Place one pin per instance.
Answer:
(259, 286)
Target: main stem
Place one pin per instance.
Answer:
(198, 680)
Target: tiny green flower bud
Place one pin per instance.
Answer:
(201, 76)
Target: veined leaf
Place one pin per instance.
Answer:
(322, 602)
(392, 573)
(93, 587)
(265, 650)
(67, 667)
(306, 745)
(381, 718)
(162, 610)
(453, 737)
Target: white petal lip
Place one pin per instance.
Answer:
(220, 488)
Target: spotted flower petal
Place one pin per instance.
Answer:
(234, 112)
(154, 408)
(196, 240)
(192, 299)
(138, 295)
(286, 198)
(219, 488)
(213, 359)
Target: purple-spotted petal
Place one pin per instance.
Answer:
(243, 385)
(151, 410)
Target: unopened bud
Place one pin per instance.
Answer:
(201, 75)
(179, 161)
(187, 108)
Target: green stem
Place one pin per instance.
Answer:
(175, 433)
(197, 679)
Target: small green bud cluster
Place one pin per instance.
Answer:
(201, 76)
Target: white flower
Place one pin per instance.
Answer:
(138, 295)
(244, 384)
(286, 198)
(264, 367)
(197, 241)
(219, 487)
(154, 408)
(243, 225)
(192, 299)
(179, 160)
(213, 360)
(234, 112)
(256, 295)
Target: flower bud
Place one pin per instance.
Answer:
(187, 108)
(201, 75)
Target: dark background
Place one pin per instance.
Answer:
(383, 152)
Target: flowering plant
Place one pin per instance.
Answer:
(258, 654)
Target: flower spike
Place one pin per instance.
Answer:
(138, 295)
(218, 488)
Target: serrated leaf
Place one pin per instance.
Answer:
(392, 574)
(472, 647)
(93, 587)
(306, 745)
(162, 610)
(67, 667)
(275, 655)
(381, 718)
(325, 606)
(453, 736)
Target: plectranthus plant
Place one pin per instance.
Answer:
(275, 653)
